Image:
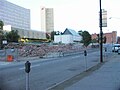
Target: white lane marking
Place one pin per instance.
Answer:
(32, 66)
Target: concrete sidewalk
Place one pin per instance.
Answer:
(107, 77)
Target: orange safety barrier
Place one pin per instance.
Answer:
(9, 58)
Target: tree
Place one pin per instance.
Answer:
(58, 33)
(1, 25)
(12, 36)
(52, 35)
(1, 33)
(86, 37)
(1, 38)
(80, 32)
(47, 36)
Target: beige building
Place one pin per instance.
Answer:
(47, 20)
(31, 34)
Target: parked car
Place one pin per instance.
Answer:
(118, 51)
(115, 47)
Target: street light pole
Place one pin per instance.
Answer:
(101, 35)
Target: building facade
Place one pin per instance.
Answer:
(14, 15)
(29, 34)
(68, 36)
(47, 20)
(17, 18)
(111, 37)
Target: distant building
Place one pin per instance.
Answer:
(14, 15)
(68, 36)
(47, 20)
(26, 34)
(111, 37)
(17, 18)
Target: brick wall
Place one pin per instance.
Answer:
(111, 37)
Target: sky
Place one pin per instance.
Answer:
(75, 14)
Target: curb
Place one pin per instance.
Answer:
(74, 79)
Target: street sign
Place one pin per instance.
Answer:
(104, 18)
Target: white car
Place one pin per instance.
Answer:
(115, 47)
(118, 51)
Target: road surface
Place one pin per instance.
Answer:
(47, 73)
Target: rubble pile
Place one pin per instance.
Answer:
(41, 50)
(33, 50)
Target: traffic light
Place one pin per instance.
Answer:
(98, 38)
(104, 39)
(27, 67)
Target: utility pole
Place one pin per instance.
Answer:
(101, 35)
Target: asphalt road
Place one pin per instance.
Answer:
(48, 73)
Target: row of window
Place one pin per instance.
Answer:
(32, 34)
(14, 15)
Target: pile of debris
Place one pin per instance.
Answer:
(41, 50)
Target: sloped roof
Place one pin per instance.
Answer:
(70, 31)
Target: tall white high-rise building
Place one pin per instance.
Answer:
(47, 20)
